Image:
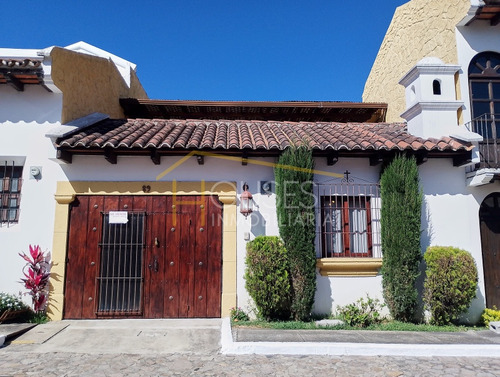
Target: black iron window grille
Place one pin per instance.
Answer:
(350, 220)
(10, 194)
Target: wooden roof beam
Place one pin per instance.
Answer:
(421, 157)
(332, 158)
(64, 155)
(462, 159)
(155, 157)
(110, 156)
(376, 159)
(14, 82)
(495, 20)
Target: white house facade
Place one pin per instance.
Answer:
(39, 90)
(176, 171)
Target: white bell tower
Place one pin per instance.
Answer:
(431, 101)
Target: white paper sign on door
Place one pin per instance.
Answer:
(118, 217)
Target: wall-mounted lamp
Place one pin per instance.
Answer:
(246, 205)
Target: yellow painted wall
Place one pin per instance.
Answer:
(419, 28)
(90, 84)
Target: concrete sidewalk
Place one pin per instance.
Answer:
(127, 336)
(202, 336)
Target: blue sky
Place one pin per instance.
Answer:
(258, 50)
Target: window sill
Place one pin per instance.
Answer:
(349, 266)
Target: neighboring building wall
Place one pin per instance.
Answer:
(90, 84)
(471, 40)
(418, 29)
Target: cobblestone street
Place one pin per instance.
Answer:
(19, 363)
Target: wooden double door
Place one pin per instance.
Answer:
(144, 257)
(489, 217)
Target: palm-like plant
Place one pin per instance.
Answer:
(36, 276)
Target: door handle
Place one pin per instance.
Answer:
(154, 266)
(157, 243)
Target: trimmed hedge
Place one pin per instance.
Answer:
(451, 283)
(400, 226)
(267, 278)
(296, 219)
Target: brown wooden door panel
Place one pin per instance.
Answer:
(92, 256)
(172, 263)
(75, 260)
(200, 259)
(181, 257)
(491, 261)
(186, 219)
(154, 272)
(489, 215)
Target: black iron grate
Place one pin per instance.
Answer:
(10, 193)
(120, 276)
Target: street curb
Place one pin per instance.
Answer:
(230, 347)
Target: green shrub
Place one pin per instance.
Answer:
(296, 221)
(267, 277)
(361, 313)
(400, 232)
(238, 314)
(490, 315)
(450, 284)
(11, 302)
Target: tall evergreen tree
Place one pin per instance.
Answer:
(400, 221)
(295, 212)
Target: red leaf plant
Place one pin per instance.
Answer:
(36, 276)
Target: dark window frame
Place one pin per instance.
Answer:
(10, 193)
(346, 231)
(484, 68)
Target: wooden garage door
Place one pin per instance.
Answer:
(144, 257)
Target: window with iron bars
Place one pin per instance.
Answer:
(10, 194)
(350, 221)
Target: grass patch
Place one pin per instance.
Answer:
(384, 326)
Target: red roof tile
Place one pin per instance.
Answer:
(253, 135)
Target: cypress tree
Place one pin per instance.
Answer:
(400, 221)
(295, 212)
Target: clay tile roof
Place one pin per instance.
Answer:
(171, 134)
(20, 72)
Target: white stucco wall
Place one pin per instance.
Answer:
(339, 291)
(25, 117)
(450, 216)
(471, 40)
